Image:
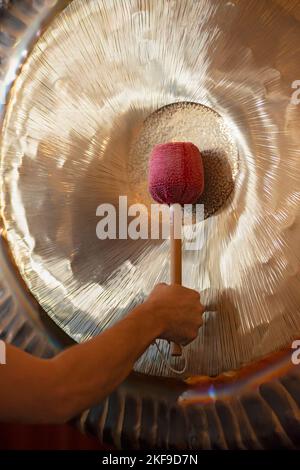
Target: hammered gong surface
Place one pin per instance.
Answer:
(98, 72)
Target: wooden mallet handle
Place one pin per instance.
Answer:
(175, 266)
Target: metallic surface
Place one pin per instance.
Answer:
(256, 407)
(77, 105)
(184, 121)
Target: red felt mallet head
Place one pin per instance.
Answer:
(176, 173)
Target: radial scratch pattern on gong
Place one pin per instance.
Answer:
(97, 73)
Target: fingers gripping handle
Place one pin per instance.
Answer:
(175, 257)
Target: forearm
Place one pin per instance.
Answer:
(54, 390)
(90, 371)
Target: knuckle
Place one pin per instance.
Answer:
(195, 335)
(197, 295)
(201, 310)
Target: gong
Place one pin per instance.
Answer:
(89, 87)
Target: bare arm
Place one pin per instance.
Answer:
(54, 390)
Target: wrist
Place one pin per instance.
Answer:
(150, 317)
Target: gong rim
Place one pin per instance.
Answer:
(265, 267)
(90, 420)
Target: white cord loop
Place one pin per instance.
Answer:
(168, 365)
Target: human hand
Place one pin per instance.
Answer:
(178, 310)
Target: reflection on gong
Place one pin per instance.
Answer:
(84, 113)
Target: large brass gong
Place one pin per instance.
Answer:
(88, 87)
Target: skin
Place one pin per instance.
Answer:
(34, 390)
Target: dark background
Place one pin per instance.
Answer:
(62, 437)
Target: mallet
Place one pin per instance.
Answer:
(176, 177)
